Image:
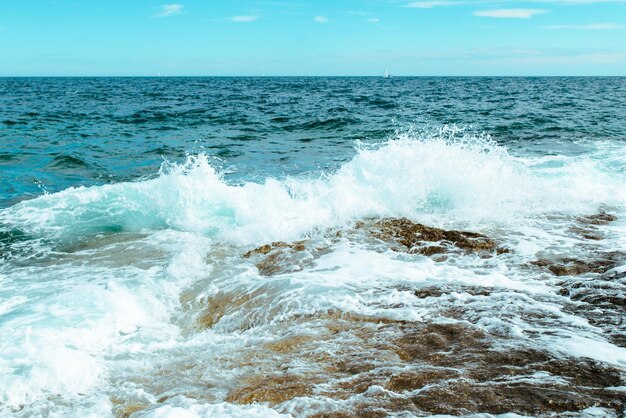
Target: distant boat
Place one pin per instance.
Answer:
(387, 75)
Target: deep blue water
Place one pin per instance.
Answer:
(61, 132)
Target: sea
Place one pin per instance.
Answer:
(312, 247)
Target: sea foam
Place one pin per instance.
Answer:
(446, 182)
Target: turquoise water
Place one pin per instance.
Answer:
(129, 207)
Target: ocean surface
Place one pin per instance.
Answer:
(312, 247)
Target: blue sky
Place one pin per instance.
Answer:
(341, 37)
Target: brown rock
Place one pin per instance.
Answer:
(264, 249)
(463, 397)
(289, 344)
(601, 218)
(431, 250)
(574, 267)
(412, 235)
(418, 379)
(272, 389)
(427, 342)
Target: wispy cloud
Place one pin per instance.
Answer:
(373, 20)
(243, 18)
(320, 19)
(580, 1)
(509, 13)
(169, 10)
(433, 3)
(429, 4)
(591, 26)
(563, 57)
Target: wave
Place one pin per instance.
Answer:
(68, 161)
(325, 124)
(466, 180)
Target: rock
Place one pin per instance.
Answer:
(273, 389)
(263, 249)
(222, 304)
(281, 257)
(289, 344)
(438, 291)
(466, 397)
(601, 218)
(413, 236)
(567, 266)
(587, 225)
(432, 250)
(409, 381)
(124, 409)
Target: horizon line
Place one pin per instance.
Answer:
(309, 76)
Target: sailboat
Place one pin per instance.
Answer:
(386, 75)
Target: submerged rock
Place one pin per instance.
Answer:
(587, 226)
(588, 232)
(601, 300)
(272, 389)
(601, 218)
(463, 397)
(379, 366)
(281, 257)
(567, 266)
(438, 291)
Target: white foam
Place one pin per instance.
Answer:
(181, 407)
(79, 314)
(434, 179)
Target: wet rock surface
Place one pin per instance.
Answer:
(415, 237)
(587, 226)
(434, 368)
(601, 218)
(601, 300)
(449, 362)
(565, 266)
(281, 257)
(273, 389)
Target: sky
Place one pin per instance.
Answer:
(324, 37)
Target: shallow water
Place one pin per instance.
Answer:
(249, 246)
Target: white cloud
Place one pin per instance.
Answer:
(169, 10)
(564, 58)
(580, 1)
(374, 20)
(320, 19)
(591, 26)
(509, 13)
(433, 3)
(243, 18)
(429, 4)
